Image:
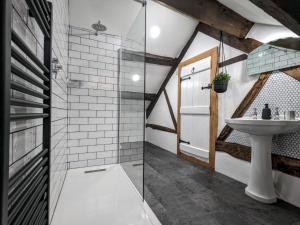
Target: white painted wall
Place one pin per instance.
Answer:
(287, 187)
(228, 102)
(161, 116)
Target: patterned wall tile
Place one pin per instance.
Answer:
(280, 91)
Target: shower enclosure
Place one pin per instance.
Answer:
(34, 109)
(131, 100)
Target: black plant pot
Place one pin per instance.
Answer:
(220, 86)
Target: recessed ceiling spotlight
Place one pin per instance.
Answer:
(155, 32)
(135, 77)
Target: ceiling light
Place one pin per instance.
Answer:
(155, 32)
(135, 77)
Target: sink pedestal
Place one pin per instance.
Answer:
(260, 185)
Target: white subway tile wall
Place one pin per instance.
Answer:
(93, 104)
(26, 136)
(59, 101)
(269, 58)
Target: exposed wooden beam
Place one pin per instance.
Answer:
(149, 97)
(293, 72)
(286, 12)
(286, 165)
(171, 72)
(213, 13)
(281, 163)
(245, 104)
(233, 60)
(194, 160)
(137, 96)
(148, 58)
(161, 128)
(245, 45)
(170, 109)
(236, 150)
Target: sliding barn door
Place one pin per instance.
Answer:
(197, 108)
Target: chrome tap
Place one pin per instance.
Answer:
(254, 114)
(276, 114)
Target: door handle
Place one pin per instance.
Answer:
(185, 142)
(185, 78)
(207, 87)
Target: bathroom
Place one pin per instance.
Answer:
(150, 112)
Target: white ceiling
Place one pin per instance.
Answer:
(250, 11)
(120, 17)
(176, 29)
(117, 15)
(124, 16)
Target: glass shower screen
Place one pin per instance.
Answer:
(131, 101)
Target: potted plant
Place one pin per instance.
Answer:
(221, 82)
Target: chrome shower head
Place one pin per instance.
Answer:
(98, 27)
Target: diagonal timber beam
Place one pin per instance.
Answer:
(246, 45)
(245, 104)
(284, 11)
(171, 72)
(170, 109)
(293, 72)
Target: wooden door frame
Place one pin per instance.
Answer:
(213, 53)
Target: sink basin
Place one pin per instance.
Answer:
(260, 185)
(263, 127)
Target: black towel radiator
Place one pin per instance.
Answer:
(24, 197)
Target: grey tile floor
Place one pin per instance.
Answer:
(182, 193)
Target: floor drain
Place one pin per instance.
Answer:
(95, 171)
(138, 164)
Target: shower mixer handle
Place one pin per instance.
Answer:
(56, 66)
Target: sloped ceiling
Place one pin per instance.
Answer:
(120, 15)
(176, 28)
(250, 11)
(117, 15)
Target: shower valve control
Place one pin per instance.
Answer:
(56, 66)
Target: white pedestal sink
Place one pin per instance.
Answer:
(260, 186)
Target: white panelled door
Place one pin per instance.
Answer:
(195, 109)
